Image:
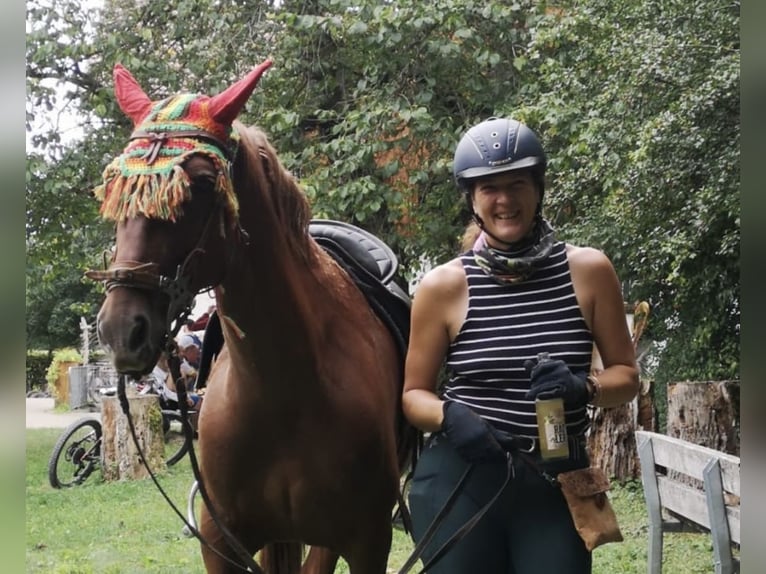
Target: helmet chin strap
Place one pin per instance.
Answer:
(480, 222)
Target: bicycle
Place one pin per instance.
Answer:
(77, 452)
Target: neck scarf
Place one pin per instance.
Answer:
(521, 260)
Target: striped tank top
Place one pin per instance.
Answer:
(505, 325)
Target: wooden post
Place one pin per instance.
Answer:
(119, 455)
(62, 383)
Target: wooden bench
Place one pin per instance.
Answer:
(669, 469)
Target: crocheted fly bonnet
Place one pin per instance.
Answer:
(148, 178)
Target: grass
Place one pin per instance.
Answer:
(127, 527)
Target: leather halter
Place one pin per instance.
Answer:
(136, 275)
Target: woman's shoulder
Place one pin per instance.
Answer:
(591, 270)
(444, 279)
(588, 258)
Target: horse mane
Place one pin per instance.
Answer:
(258, 167)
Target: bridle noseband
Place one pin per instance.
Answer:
(141, 276)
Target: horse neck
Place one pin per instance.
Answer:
(270, 317)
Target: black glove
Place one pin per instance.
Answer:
(552, 379)
(471, 436)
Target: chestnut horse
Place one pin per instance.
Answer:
(300, 433)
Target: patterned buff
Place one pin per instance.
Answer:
(147, 179)
(519, 263)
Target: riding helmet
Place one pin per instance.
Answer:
(497, 145)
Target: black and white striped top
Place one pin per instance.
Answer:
(507, 324)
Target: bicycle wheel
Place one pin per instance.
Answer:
(177, 443)
(76, 455)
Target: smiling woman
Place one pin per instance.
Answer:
(516, 294)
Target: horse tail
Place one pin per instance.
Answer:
(282, 557)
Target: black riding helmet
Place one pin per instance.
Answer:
(497, 145)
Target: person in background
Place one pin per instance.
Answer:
(167, 391)
(189, 352)
(516, 292)
(200, 322)
(186, 330)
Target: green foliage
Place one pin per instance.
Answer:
(371, 129)
(637, 104)
(60, 357)
(37, 369)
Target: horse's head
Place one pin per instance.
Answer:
(171, 196)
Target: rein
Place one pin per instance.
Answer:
(236, 545)
(136, 275)
(174, 363)
(459, 534)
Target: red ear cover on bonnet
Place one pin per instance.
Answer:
(225, 107)
(130, 96)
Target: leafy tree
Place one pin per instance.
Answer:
(637, 103)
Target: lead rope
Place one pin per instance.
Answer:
(459, 534)
(251, 566)
(174, 364)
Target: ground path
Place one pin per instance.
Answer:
(40, 414)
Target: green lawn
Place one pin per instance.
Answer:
(127, 527)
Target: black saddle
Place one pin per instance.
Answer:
(366, 249)
(370, 263)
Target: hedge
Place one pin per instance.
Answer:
(37, 366)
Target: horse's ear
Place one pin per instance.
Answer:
(225, 107)
(130, 96)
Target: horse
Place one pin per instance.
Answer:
(302, 442)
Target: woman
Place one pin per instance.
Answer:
(489, 313)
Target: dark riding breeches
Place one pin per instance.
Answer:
(529, 529)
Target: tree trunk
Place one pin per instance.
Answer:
(119, 455)
(705, 413)
(612, 439)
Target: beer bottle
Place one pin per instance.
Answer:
(551, 424)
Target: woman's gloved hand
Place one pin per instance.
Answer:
(471, 436)
(552, 379)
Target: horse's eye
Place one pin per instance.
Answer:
(204, 181)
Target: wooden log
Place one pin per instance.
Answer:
(119, 456)
(612, 443)
(705, 413)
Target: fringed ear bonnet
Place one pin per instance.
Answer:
(147, 179)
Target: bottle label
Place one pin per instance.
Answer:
(555, 432)
(552, 428)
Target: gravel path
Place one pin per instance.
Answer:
(40, 414)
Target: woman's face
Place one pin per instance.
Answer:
(507, 203)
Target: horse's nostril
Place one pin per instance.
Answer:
(139, 334)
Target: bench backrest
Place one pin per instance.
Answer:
(711, 467)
